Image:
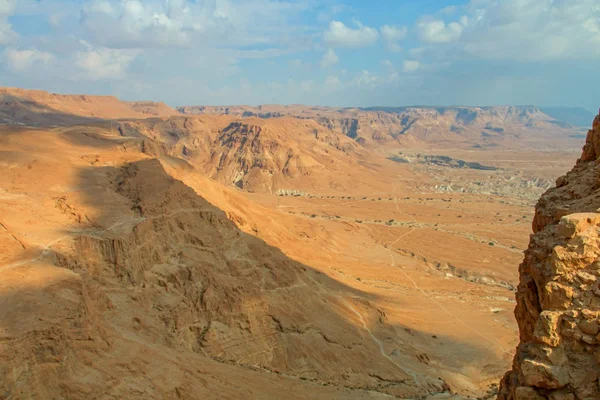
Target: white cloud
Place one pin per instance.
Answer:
(329, 59)
(366, 79)
(449, 10)
(7, 35)
(393, 33)
(436, 31)
(131, 23)
(102, 63)
(410, 65)
(390, 69)
(187, 23)
(339, 35)
(536, 30)
(187, 51)
(6, 7)
(519, 30)
(22, 60)
(332, 81)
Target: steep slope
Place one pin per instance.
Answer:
(34, 107)
(279, 155)
(558, 299)
(414, 126)
(118, 280)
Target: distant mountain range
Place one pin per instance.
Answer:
(575, 116)
(382, 128)
(418, 125)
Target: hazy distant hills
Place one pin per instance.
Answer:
(380, 128)
(559, 116)
(417, 125)
(575, 116)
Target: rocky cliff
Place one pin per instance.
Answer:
(257, 154)
(407, 126)
(558, 299)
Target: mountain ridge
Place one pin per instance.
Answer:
(410, 126)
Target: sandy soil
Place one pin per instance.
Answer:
(397, 282)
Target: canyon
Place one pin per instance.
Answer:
(294, 252)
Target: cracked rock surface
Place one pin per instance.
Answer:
(558, 298)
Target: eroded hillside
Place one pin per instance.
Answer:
(510, 126)
(112, 271)
(266, 156)
(558, 299)
(174, 255)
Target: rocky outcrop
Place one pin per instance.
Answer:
(174, 276)
(558, 298)
(253, 154)
(376, 126)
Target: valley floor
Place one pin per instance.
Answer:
(423, 277)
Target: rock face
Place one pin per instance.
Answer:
(258, 155)
(376, 126)
(173, 291)
(558, 299)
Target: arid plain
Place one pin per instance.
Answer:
(276, 252)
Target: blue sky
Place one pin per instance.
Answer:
(328, 52)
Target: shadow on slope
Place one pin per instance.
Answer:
(163, 271)
(20, 111)
(38, 108)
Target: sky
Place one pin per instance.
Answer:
(326, 52)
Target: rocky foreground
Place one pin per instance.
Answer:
(558, 299)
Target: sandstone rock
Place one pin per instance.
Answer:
(527, 393)
(585, 277)
(589, 327)
(557, 298)
(562, 396)
(572, 224)
(546, 330)
(542, 375)
(588, 339)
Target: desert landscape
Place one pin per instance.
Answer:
(272, 252)
(299, 199)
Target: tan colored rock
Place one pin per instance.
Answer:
(588, 339)
(546, 330)
(572, 224)
(562, 396)
(527, 393)
(557, 296)
(589, 327)
(542, 375)
(561, 181)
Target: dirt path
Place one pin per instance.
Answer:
(45, 249)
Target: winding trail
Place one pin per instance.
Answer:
(45, 249)
(380, 344)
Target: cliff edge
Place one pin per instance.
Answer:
(558, 298)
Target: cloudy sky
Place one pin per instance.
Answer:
(329, 52)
